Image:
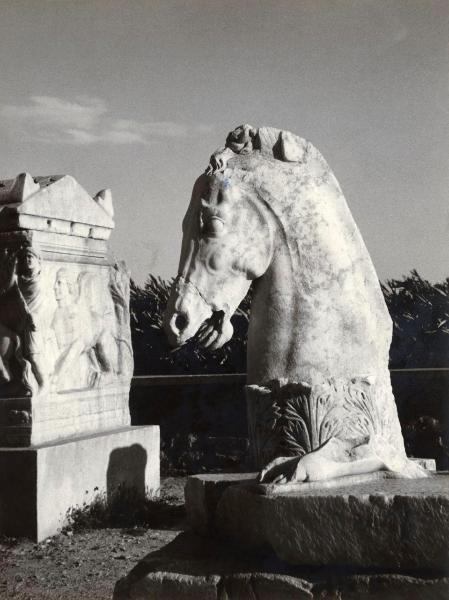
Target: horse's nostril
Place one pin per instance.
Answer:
(181, 322)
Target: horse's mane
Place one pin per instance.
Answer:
(275, 164)
(270, 142)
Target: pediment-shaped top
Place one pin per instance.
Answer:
(57, 197)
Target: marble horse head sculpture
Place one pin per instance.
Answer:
(269, 211)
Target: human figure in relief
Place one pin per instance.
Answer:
(34, 334)
(80, 337)
(22, 328)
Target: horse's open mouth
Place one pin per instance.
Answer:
(210, 329)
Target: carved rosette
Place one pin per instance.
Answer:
(293, 419)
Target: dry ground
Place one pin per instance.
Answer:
(83, 565)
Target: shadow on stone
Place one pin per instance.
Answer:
(126, 468)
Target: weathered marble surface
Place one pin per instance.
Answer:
(204, 492)
(391, 524)
(65, 345)
(270, 210)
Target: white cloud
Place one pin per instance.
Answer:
(84, 121)
(149, 129)
(48, 111)
(78, 136)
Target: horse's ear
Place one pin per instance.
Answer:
(218, 161)
(293, 147)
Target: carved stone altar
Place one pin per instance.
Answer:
(66, 359)
(65, 346)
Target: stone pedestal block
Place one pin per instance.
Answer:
(391, 523)
(204, 492)
(38, 484)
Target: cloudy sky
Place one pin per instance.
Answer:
(135, 95)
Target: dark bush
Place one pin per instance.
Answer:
(420, 313)
(125, 507)
(419, 310)
(152, 354)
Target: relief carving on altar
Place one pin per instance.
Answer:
(119, 284)
(62, 329)
(82, 353)
(21, 327)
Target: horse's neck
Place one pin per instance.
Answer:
(274, 308)
(318, 299)
(273, 336)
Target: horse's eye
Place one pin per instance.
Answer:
(213, 226)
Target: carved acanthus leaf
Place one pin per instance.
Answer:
(294, 419)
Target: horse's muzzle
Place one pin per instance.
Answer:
(186, 311)
(175, 328)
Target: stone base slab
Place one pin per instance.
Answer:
(384, 523)
(40, 483)
(195, 568)
(202, 494)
